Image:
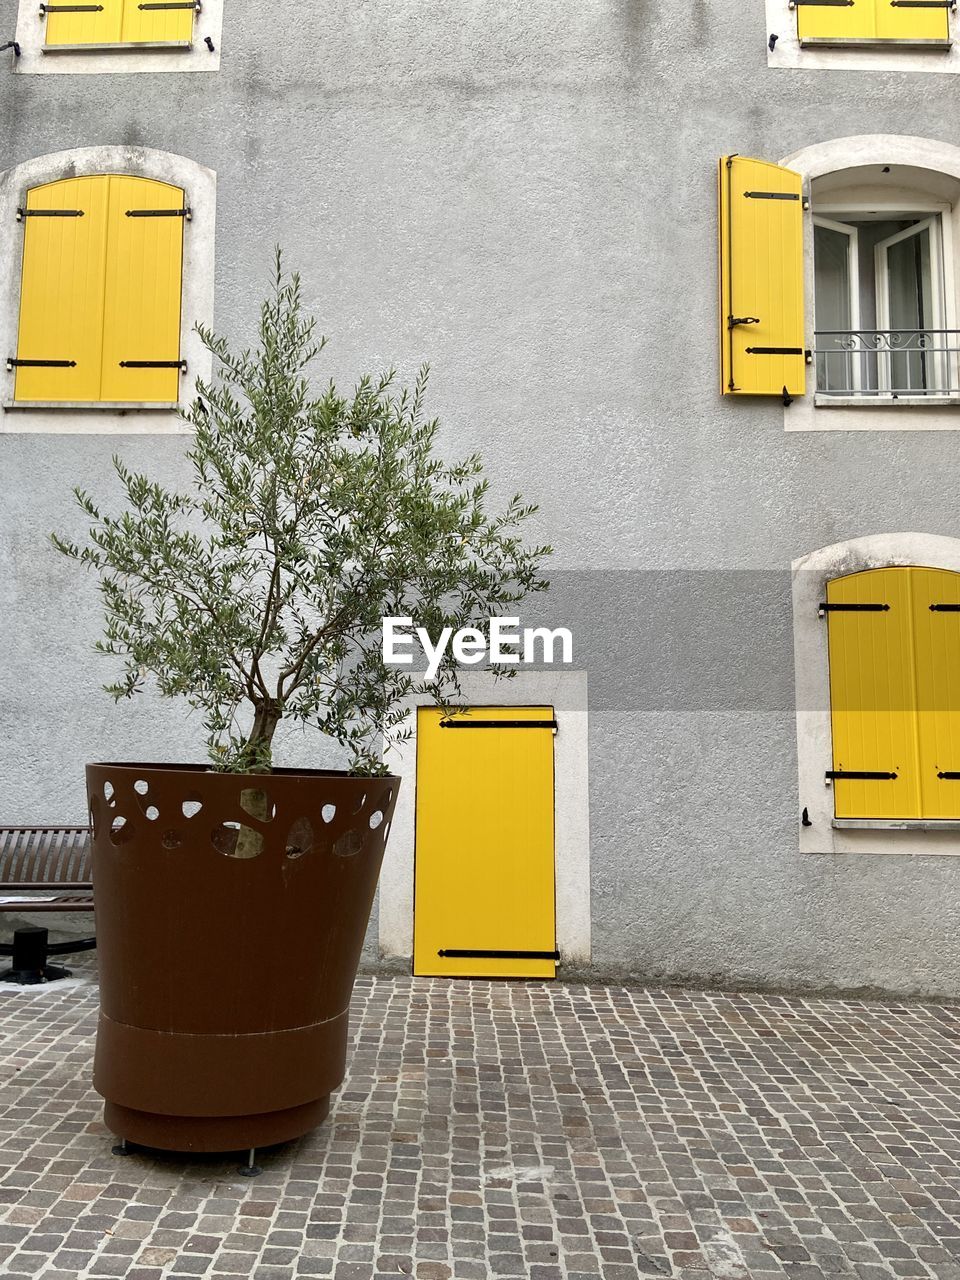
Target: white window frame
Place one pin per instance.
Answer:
(946, 302)
(38, 58)
(864, 151)
(853, 275)
(200, 188)
(940, 302)
(566, 692)
(787, 51)
(818, 832)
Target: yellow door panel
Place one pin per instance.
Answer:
(873, 695)
(140, 24)
(61, 299)
(828, 23)
(761, 278)
(98, 24)
(484, 876)
(909, 25)
(142, 294)
(937, 643)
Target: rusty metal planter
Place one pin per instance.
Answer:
(225, 980)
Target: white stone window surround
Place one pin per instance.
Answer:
(200, 187)
(890, 56)
(116, 58)
(811, 573)
(566, 692)
(929, 179)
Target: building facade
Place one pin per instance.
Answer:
(753, 505)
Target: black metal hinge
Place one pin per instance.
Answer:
(186, 212)
(775, 351)
(70, 8)
(154, 364)
(923, 4)
(945, 608)
(498, 724)
(770, 195)
(951, 777)
(14, 363)
(733, 321)
(175, 4)
(48, 213)
(825, 606)
(822, 4)
(460, 953)
(865, 775)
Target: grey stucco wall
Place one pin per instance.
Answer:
(524, 196)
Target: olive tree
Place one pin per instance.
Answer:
(258, 595)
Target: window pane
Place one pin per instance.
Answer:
(832, 293)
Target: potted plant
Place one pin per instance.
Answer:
(232, 898)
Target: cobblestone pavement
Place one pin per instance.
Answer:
(520, 1130)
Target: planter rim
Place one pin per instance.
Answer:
(142, 766)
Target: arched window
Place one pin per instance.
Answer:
(107, 257)
(840, 263)
(877, 661)
(100, 291)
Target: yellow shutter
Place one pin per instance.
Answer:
(910, 25)
(62, 285)
(484, 876)
(873, 695)
(872, 22)
(761, 279)
(142, 294)
(155, 25)
(837, 23)
(937, 643)
(96, 24)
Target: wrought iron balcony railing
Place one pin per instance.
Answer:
(888, 362)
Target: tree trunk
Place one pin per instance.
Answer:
(252, 799)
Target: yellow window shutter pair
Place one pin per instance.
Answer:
(761, 279)
(867, 22)
(120, 22)
(894, 652)
(100, 291)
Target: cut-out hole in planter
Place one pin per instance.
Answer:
(108, 791)
(141, 786)
(300, 838)
(360, 803)
(348, 844)
(121, 831)
(375, 819)
(328, 812)
(94, 817)
(235, 840)
(192, 805)
(171, 839)
(258, 804)
(152, 812)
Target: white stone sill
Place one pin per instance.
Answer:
(927, 46)
(896, 824)
(101, 406)
(128, 46)
(822, 400)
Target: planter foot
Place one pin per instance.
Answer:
(121, 1148)
(250, 1169)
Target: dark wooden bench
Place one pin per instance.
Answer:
(43, 869)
